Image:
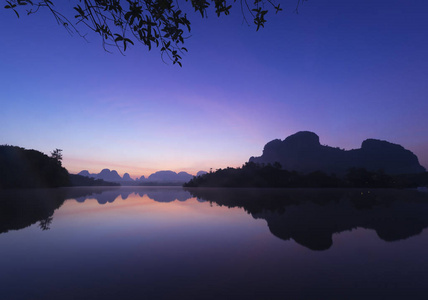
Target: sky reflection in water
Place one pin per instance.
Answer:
(171, 243)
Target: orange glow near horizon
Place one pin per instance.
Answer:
(76, 165)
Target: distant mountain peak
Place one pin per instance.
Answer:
(126, 177)
(107, 175)
(201, 173)
(169, 176)
(84, 173)
(164, 176)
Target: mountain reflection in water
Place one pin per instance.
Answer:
(308, 216)
(158, 194)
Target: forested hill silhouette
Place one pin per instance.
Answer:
(302, 152)
(22, 168)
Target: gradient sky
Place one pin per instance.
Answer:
(346, 70)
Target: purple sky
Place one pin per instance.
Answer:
(346, 70)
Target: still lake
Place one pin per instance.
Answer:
(175, 243)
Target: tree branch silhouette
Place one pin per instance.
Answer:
(160, 23)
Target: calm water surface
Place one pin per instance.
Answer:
(171, 243)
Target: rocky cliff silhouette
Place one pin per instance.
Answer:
(303, 152)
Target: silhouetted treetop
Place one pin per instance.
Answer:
(160, 23)
(57, 155)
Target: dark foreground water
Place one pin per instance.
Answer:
(170, 243)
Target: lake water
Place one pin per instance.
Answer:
(171, 243)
